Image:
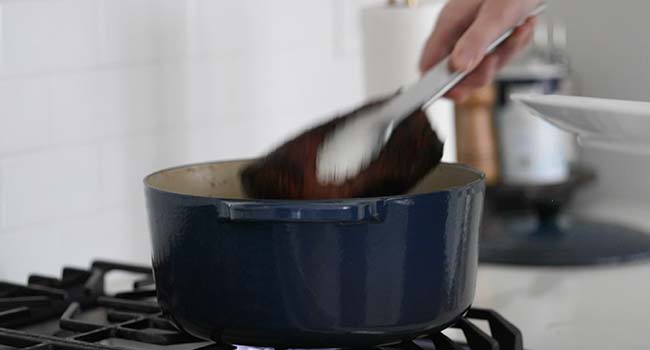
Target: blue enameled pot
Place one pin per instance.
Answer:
(349, 272)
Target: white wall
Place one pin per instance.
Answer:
(609, 49)
(94, 94)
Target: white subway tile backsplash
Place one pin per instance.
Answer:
(125, 163)
(346, 26)
(266, 98)
(223, 142)
(45, 35)
(51, 184)
(74, 115)
(306, 85)
(105, 103)
(2, 203)
(24, 108)
(109, 234)
(128, 99)
(176, 23)
(300, 24)
(95, 94)
(127, 31)
(215, 92)
(230, 27)
(258, 27)
(173, 97)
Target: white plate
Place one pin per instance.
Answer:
(603, 123)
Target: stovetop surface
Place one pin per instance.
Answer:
(81, 311)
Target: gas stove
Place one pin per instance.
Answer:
(112, 306)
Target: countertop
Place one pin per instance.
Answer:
(604, 307)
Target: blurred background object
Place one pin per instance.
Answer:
(393, 34)
(531, 150)
(475, 135)
(527, 221)
(606, 63)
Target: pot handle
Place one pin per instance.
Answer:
(333, 212)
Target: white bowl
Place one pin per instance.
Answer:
(597, 122)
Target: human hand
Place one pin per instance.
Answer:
(465, 28)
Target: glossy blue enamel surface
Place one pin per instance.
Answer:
(308, 274)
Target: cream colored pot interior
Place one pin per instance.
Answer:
(221, 179)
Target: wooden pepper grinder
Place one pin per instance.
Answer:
(475, 136)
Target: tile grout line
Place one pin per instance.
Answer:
(3, 224)
(100, 31)
(207, 56)
(153, 131)
(118, 207)
(100, 149)
(82, 69)
(1, 37)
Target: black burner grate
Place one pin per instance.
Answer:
(75, 313)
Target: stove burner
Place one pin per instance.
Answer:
(76, 313)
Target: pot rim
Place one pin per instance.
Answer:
(480, 180)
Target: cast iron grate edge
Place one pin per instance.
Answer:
(130, 315)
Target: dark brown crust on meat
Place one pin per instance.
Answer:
(289, 172)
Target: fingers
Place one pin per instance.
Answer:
(494, 17)
(520, 38)
(472, 25)
(452, 21)
(481, 76)
(487, 69)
